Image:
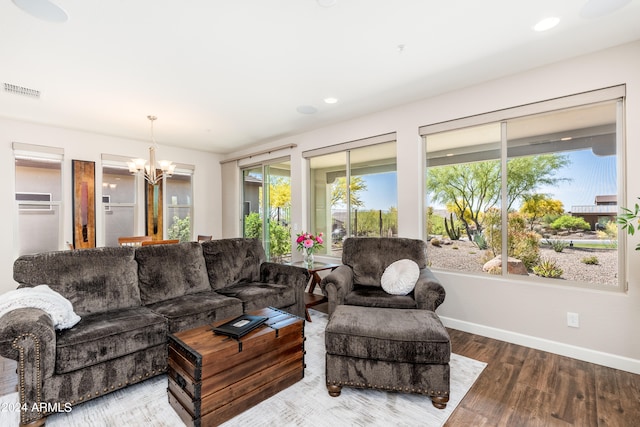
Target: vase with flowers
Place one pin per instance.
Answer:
(308, 244)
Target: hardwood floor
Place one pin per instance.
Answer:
(519, 387)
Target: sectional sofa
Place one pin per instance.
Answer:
(129, 300)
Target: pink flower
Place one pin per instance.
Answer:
(308, 243)
(300, 239)
(319, 239)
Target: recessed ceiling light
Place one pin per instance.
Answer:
(307, 109)
(331, 100)
(43, 9)
(547, 23)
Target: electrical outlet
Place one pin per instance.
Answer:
(573, 320)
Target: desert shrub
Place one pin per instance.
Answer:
(568, 222)
(523, 244)
(480, 241)
(590, 260)
(557, 245)
(548, 267)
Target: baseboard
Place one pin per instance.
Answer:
(580, 353)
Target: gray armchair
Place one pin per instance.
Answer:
(358, 280)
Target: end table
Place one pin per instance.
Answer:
(311, 299)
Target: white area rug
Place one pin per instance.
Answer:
(306, 403)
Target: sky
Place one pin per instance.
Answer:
(589, 175)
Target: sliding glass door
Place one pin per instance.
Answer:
(266, 207)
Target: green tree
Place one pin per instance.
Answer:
(180, 229)
(468, 189)
(474, 188)
(537, 206)
(339, 191)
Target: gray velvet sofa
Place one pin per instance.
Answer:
(129, 300)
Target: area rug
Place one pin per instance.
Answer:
(306, 403)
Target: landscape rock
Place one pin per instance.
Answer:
(514, 266)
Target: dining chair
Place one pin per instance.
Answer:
(133, 240)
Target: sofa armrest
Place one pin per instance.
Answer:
(428, 292)
(288, 275)
(28, 336)
(336, 285)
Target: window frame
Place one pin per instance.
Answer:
(502, 117)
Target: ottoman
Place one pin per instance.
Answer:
(403, 350)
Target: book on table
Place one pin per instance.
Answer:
(240, 326)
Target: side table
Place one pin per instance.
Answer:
(311, 299)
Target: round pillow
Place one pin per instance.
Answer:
(400, 277)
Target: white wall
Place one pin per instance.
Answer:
(89, 147)
(511, 310)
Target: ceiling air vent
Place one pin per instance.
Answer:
(19, 90)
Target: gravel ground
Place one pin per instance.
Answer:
(465, 256)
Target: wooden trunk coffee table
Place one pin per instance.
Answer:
(213, 378)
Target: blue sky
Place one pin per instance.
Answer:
(589, 175)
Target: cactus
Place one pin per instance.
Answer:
(454, 234)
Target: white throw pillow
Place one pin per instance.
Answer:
(400, 277)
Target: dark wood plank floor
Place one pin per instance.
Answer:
(519, 387)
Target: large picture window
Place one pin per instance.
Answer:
(536, 192)
(368, 205)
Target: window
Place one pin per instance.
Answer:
(367, 207)
(38, 195)
(118, 199)
(543, 185)
(266, 195)
(179, 204)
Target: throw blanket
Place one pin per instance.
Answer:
(44, 298)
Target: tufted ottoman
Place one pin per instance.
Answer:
(405, 350)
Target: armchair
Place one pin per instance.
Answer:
(358, 280)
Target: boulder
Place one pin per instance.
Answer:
(514, 266)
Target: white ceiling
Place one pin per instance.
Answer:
(224, 75)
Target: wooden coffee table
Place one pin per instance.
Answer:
(213, 378)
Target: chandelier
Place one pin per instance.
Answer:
(150, 170)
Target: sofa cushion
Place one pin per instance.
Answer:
(232, 261)
(189, 311)
(109, 335)
(371, 296)
(170, 271)
(95, 280)
(257, 295)
(409, 336)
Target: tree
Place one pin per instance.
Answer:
(474, 188)
(469, 189)
(339, 191)
(280, 192)
(526, 174)
(537, 206)
(180, 229)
